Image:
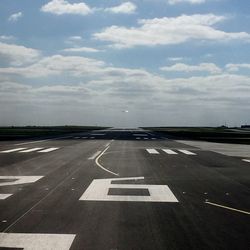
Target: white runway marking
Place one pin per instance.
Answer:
(98, 191)
(16, 180)
(137, 138)
(92, 137)
(94, 155)
(48, 150)
(36, 241)
(186, 152)
(31, 142)
(4, 196)
(152, 151)
(145, 138)
(12, 150)
(30, 150)
(100, 166)
(229, 208)
(246, 160)
(169, 151)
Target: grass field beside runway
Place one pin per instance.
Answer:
(213, 134)
(13, 133)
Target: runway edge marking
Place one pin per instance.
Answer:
(228, 208)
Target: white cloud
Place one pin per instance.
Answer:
(75, 38)
(236, 67)
(124, 8)
(174, 59)
(95, 86)
(169, 30)
(6, 38)
(81, 49)
(57, 65)
(60, 7)
(14, 17)
(18, 55)
(203, 67)
(172, 2)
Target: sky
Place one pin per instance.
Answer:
(166, 62)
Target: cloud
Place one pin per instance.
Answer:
(6, 38)
(203, 67)
(56, 65)
(18, 55)
(14, 17)
(236, 67)
(75, 38)
(60, 7)
(169, 31)
(174, 59)
(124, 8)
(98, 92)
(173, 2)
(81, 49)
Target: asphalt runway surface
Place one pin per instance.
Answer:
(121, 189)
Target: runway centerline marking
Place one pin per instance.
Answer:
(94, 155)
(100, 166)
(228, 208)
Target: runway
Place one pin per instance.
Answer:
(121, 189)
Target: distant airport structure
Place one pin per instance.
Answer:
(245, 126)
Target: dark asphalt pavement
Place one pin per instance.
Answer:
(61, 199)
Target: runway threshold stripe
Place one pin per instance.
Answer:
(12, 150)
(229, 208)
(152, 151)
(186, 152)
(169, 151)
(48, 150)
(30, 150)
(246, 160)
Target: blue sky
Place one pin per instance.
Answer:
(168, 62)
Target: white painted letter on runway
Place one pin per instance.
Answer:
(36, 241)
(99, 189)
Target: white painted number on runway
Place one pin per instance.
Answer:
(36, 241)
(16, 180)
(99, 190)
